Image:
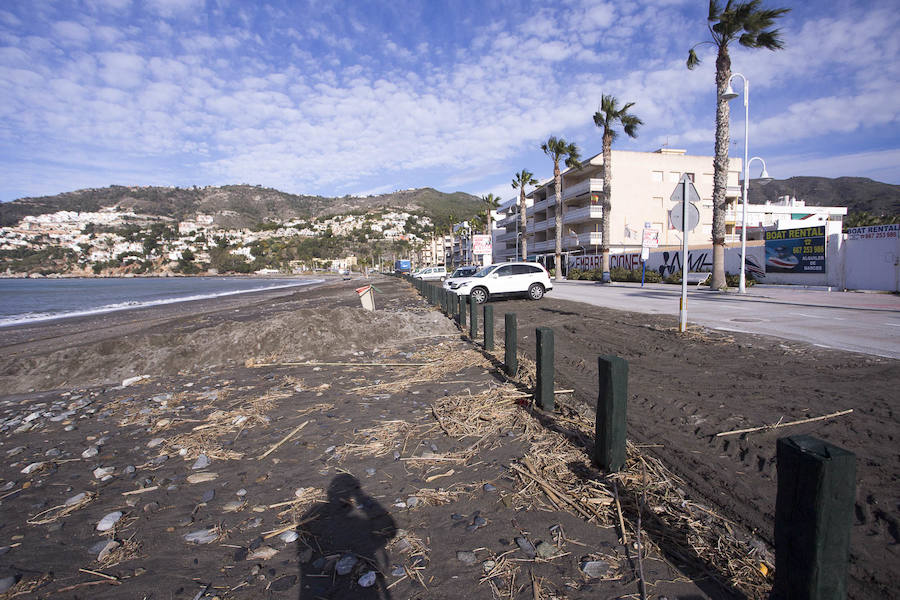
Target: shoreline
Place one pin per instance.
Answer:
(106, 309)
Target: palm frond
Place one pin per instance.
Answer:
(692, 60)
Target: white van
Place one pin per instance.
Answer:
(432, 274)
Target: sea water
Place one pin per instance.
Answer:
(29, 300)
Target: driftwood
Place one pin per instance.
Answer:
(338, 364)
(284, 439)
(779, 424)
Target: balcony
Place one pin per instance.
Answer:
(540, 206)
(590, 238)
(505, 237)
(541, 225)
(588, 185)
(585, 213)
(541, 246)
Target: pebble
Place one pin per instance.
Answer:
(33, 467)
(370, 471)
(346, 564)
(202, 462)
(241, 492)
(466, 557)
(526, 547)
(52, 453)
(155, 442)
(488, 565)
(490, 488)
(7, 486)
(545, 550)
(109, 521)
(398, 571)
(412, 501)
(104, 472)
(15, 451)
(595, 568)
(129, 470)
(396, 455)
(367, 580)
(107, 549)
(208, 496)
(76, 499)
(158, 460)
(202, 536)
(7, 582)
(289, 536)
(233, 506)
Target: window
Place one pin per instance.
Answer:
(525, 269)
(505, 271)
(674, 176)
(656, 176)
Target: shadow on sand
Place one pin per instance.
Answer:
(341, 549)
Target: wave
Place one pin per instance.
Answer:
(26, 318)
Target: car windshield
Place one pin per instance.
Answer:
(484, 272)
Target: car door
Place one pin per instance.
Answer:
(505, 280)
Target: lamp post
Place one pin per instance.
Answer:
(729, 94)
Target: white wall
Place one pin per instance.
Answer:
(871, 258)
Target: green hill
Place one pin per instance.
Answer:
(858, 194)
(240, 205)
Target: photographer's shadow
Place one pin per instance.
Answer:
(341, 548)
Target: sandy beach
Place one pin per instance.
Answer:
(292, 445)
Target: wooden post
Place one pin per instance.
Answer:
(813, 518)
(612, 401)
(473, 318)
(488, 327)
(463, 308)
(511, 358)
(544, 393)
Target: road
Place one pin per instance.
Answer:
(858, 322)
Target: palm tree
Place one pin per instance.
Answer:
(491, 202)
(606, 119)
(556, 149)
(751, 26)
(523, 178)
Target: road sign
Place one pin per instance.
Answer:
(678, 193)
(650, 239)
(693, 216)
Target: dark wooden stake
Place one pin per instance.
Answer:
(544, 392)
(612, 402)
(488, 327)
(813, 518)
(473, 318)
(511, 358)
(463, 308)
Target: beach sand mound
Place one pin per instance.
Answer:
(295, 335)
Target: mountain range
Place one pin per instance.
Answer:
(235, 206)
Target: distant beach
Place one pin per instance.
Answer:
(25, 301)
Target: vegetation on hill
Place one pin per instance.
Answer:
(237, 206)
(858, 194)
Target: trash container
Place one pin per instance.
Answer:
(366, 297)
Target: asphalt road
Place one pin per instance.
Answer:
(858, 322)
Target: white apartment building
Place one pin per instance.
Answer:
(642, 183)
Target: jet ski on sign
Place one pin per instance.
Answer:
(781, 257)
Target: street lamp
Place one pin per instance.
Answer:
(729, 94)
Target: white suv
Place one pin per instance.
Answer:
(504, 279)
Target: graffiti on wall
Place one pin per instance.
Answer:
(668, 262)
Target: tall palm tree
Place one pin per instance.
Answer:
(606, 119)
(491, 202)
(523, 178)
(556, 149)
(746, 22)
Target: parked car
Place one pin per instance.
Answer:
(431, 273)
(505, 279)
(460, 273)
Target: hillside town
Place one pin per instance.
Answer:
(119, 241)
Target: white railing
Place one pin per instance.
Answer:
(503, 237)
(540, 225)
(583, 187)
(585, 213)
(542, 246)
(510, 220)
(541, 206)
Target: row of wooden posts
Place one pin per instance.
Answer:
(816, 480)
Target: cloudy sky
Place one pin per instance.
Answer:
(350, 97)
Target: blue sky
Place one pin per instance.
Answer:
(349, 97)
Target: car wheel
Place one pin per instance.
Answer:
(479, 295)
(535, 291)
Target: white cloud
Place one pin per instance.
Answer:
(72, 33)
(121, 69)
(173, 8)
